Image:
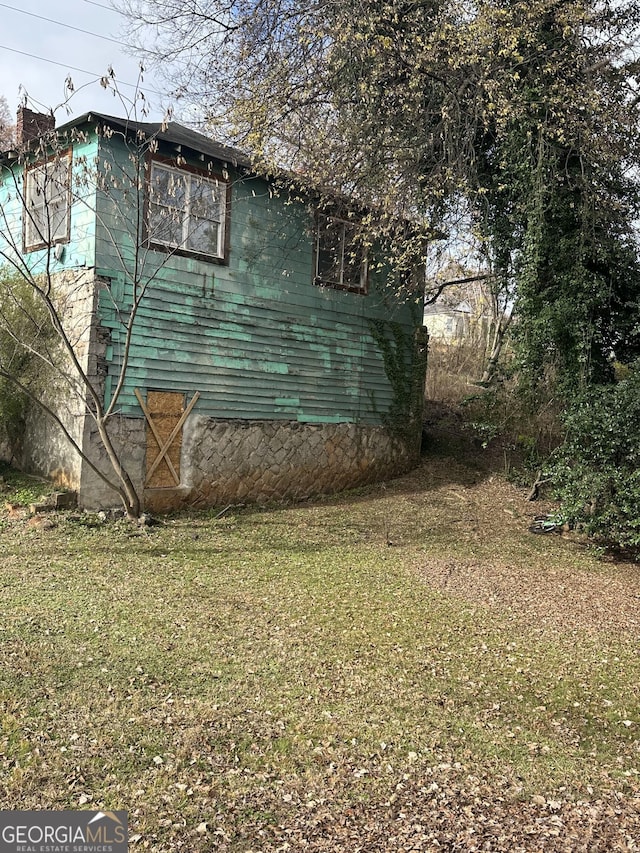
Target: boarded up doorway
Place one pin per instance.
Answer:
(164, 414)
(164, 411)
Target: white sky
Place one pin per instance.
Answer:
(39, 47)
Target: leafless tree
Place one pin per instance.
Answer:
(7, 129)
(46, 314)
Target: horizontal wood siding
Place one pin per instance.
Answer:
(79, 251)
(255, 337)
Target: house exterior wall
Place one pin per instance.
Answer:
(302, 389)
(255, 336)
(79, 252)
(44, 448)
(445, 326)
(279, 363)
(452, 326)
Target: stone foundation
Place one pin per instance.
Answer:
(260, 461)
(230, 461)
(128, 436)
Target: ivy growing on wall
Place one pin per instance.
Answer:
(405, 358)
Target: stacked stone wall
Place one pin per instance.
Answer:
(45, 449)
(232, 462)
(261, 461)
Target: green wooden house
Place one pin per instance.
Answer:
(250, 346)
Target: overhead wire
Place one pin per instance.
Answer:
(76, 29)
(102, 6)
(62, 24)
(74, 68)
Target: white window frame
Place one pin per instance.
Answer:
(340, 282)
(47, 202)
(184, 220)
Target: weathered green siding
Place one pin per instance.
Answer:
(79, 251)
(255, 337)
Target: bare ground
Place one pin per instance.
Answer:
(559, 598)
(579, 588)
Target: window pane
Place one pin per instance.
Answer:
(165, 225)
(57, 177)
(204, 237)
(353, 258)
(35, 186)
(47, 202)
(58, 219)
(187, 211)
(340, 256)
(168, 187)
(35, 225)
(35, 219)
(206, 199)
(330, 250)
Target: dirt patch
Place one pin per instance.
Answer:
(557, 598)
(553, 581)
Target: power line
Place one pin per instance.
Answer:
(102, 6)
(69, 26)
(85, 32)
(73, 68)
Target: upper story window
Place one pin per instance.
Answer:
(187, 212)
(340, 258)
(47, 202)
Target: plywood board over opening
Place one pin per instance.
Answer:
(165, 413)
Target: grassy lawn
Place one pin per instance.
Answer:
(404, 668)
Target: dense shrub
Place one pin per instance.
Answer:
(26, 337)
(596, 471)
(524, 423)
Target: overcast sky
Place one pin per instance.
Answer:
(40, 44)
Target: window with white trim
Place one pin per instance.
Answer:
(187, 211)
(340, 258)
(46, 202)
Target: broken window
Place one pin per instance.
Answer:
(340, 257)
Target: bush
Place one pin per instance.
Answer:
(24, 331)
(596, 471)
(525, 425)
(453, 369)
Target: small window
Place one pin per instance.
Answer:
(187, 211)
(46, 201)
(340, 259)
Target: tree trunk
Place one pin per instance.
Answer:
(496, 350)
(126, 490)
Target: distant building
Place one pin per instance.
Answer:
(450, 325)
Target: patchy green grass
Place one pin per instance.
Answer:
(298, 674)
(19, 488)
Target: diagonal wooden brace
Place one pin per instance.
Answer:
(174, 432)
(163, 450)
(165, 447)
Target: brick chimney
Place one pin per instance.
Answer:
(30, 125)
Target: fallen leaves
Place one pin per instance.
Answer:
(287, 683)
